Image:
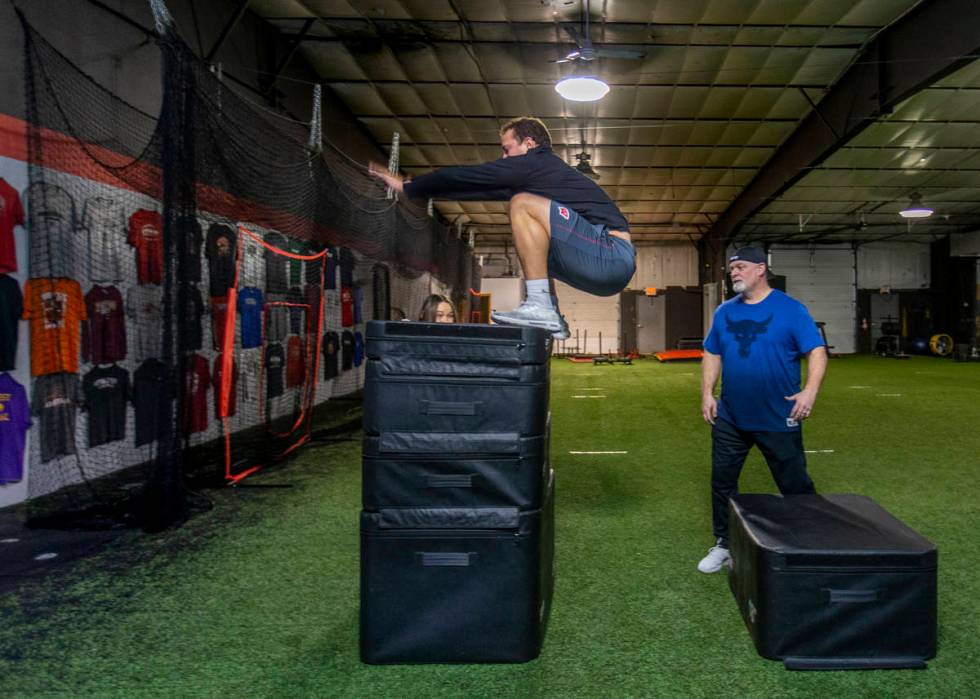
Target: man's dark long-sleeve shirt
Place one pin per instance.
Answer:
(539, 172)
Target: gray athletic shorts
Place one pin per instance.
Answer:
(585, 256)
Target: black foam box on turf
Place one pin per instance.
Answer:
(426, 469)
(440, 377)
(456, 585)
(832, 582)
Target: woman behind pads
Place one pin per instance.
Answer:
(437, 309)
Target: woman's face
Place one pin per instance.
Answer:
(444, 313)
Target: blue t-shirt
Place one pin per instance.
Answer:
(760, 346)
(250, 311)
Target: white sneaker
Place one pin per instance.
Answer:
(718, 557)
(529, 315)
(563, 333)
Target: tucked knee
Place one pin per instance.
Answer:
(522, 201)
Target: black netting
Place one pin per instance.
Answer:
(139, 256)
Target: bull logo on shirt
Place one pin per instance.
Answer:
(53, 308)
(746, 331)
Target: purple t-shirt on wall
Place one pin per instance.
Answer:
(15, 418)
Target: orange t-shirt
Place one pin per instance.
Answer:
(55, 309)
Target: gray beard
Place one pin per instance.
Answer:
(738, 286)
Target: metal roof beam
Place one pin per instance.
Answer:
(233, 20)
(924, 45)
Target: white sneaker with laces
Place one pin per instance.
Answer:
(562, 333)
(718, 557)
(530, 315)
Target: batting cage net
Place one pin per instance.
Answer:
(198, 282)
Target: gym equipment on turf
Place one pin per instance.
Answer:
(679, 355)
(456, 585)
(941, 344)
(832, 582)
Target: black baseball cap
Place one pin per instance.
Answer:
(754, 255)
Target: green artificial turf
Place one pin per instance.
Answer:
(259, 596)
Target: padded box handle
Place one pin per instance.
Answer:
(852, 596)
(462, 480)
(446, 559)
(441, 407)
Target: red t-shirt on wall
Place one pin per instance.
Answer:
(346, 306)
(197, 378)
(146, 235)
(11, 216)
(295, 362)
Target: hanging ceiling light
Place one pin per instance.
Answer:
(582, 89)
(915, 209)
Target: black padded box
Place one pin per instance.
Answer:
(448, 347)
(456, 585)
(426, 469)
(832, 582)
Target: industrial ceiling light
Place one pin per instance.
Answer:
(582, 89)
(915, 209)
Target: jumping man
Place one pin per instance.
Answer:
(565, 226)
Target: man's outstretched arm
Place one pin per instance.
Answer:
(461, 181)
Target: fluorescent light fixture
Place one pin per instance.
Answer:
(915, 209)
(580, 89)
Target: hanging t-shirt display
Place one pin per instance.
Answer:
(276, 320)
(146, 235)
(144, 307)
(15, 419)
(221, 248)
(189, 242)
(346, 307)
(104, 333)
(55, 309)
(330, 274)
(275, 360)
(54, 400)
(330, 348)
(295, 361)
(11, 309)
(313, 295)
(219, 316)
(104, 225)
(11, 216)
(275, 264)
(51, 222)
(358, 349)
(297, 247)
(150, 401)
(296, 313)
(197, 378)
(346, 350)
(314, 268)
(357, 301)
(248, 376)
(250, 313)
(252, 268)
(191, 309)
(346, 267)
(106, 393)
(216, 385)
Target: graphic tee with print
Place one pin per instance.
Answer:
(144, 307)
(15, 419)
(197, 379)
(330, 347)
(221, 250)
(146, 235)
(55, 309)
(105, 229)
(104, 333)
(106, 393)
(250, 313)
(54, 400)
(275, 361)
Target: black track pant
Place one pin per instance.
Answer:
(729, 447)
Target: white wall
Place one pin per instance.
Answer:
(506, 293)
(892, 264)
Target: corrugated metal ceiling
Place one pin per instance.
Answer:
(682, 131)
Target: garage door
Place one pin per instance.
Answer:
(824, 281)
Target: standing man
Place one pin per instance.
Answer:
(565, 226)
(755, 343)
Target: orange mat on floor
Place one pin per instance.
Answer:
(674, 355)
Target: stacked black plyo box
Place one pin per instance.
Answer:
(831, 582)
(457, 532)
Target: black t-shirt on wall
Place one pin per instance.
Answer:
(275, 362)
(11, 308)
(189, 241)
(191, 310)
(221, 249)
(106, 392)
(347, 350)
(150, 400)
(330, 349)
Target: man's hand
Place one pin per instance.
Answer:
(380, 171)
(802, 404)
(709, 409)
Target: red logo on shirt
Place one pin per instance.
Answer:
(563, 212)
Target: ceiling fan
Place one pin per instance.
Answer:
(585, 160)
(586, 51)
